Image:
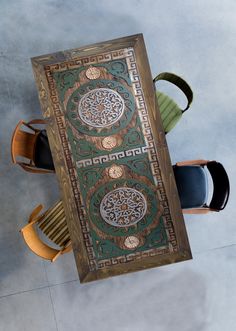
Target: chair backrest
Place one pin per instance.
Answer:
(23, 145)
(170, 112)
(221, 185)
(53, 224)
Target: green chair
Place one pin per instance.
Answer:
(171, 113)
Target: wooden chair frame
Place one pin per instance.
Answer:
(34, 242)
(23, 144)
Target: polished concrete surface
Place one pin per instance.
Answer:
(195, 39)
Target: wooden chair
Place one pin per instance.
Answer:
(52, 224)
(33, 146)
(192, 184)
(171, 113)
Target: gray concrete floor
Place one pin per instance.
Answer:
(195, 39)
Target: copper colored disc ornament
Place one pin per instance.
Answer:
(131, 242)
(109, 142)
(93, 73)
(115, 171)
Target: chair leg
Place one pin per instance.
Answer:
(56, 256)
(67, 249)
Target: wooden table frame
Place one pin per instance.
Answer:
(133, 48)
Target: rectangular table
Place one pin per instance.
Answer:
(111, 158)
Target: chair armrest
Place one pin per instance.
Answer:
(34, 170)
(198, 210)
(192, 162)
(33, 216)
(35, 121)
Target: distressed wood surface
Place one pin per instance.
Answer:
(87, 169)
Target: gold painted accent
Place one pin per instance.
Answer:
(109, 142)
(131, 242)
(115, 171)
(93, 73)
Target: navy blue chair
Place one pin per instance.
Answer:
(192, 184)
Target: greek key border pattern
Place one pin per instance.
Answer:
(127, 53)
(85, 61)
(132, 257)
(152, 152)
(111, 157)
(71, 169)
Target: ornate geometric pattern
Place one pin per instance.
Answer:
(96, 107)
(101, 107)
(123, 207)
(111, 157)
(158, 244)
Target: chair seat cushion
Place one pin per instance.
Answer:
(42, 156)
(192, 185)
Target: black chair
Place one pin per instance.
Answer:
(192, 184)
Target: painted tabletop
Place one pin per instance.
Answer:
(111, 158)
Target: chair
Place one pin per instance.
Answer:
(52, 224)
(192, 184)
(171, 113)
(33, 146)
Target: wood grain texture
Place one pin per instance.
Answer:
(132, 50)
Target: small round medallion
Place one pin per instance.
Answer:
(115, 171)
(109, 142)
(93, 73)
(131, 242)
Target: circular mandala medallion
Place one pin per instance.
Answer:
(131, 242)
(92, 73)
(101, 107)
(123, 207)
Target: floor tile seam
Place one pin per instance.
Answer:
(213, 249)
(76, 280)
(50, 295)
(63, 283)
(22, 292)
(37, 288)
(53, 308)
